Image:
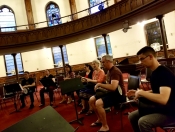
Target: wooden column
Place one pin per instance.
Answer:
(16, 68)
(73, 9)
(163, 34)
(62, 55)
(106, 45)
(29, 12)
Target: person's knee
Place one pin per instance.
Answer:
(92, 100)
(131, 116)
(142, 122)
(99, 103)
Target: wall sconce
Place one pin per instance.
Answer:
(126, 26)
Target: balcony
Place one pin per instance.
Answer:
(105, 21)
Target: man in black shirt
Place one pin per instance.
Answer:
(49, 88)
(162, 96)
(29, 84)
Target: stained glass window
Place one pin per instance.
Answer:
(7, 19)
(53, 14)
(100, 45)
(95, 8)
(57, 55)
(153, 34)
(10, 66)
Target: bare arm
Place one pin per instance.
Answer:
(161, 98)
(112, 87)
(53, 79)
(28, 86)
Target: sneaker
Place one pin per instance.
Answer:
(31, 106)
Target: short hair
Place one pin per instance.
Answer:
(26, 72)
(108, 57)
(97, 62)
(146, 51)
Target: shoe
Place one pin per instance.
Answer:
(41, 105)
(96, 124)
(90, 112)
(31, 106)
(62, 101)
(22, 106)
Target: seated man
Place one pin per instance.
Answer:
(49, 89)
(162, 95)
(29, 84)
(113, 98)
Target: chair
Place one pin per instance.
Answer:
(164, 63)
(133, 84)
(168, 128)
(146, 80)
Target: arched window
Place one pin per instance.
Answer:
(100, 46)
(53, 14)
(7, 19)
(10, 66)
(57, 56)
(95, 8)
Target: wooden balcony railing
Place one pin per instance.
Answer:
(97, 23)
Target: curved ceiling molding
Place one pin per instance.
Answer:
(105, 21)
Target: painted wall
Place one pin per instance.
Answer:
(20, 11)
(81, 52)
(2, 67)
(81, 5)
(37, 60)
(169, 20)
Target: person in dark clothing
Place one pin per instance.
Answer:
(48, 89)
(29, 84)
(162, 96)
(69, 75)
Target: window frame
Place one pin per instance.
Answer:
(10, 9)
(14, 65)
(104, 44)
(46, 8)
(147, 37)
(91, 8)
(61, 55)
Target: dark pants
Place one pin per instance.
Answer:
(50, 91)
(22, 96)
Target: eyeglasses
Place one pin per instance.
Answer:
(141, 59)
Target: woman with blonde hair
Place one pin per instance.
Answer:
(98, 76)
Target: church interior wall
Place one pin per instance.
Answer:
(123, 44)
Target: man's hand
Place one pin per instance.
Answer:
(138, 93)
(131, 93)
(97, 86)
(88, 80)
(83, 79)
